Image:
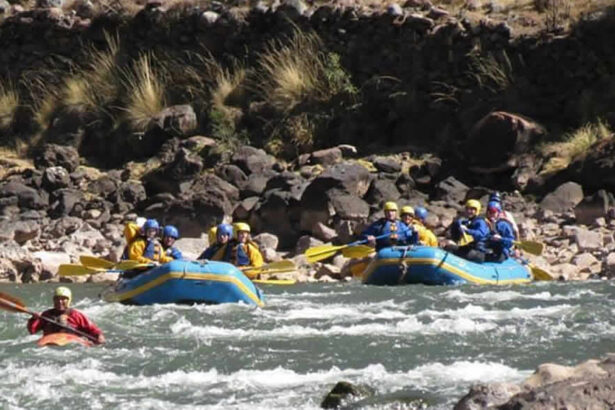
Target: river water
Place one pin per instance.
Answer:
(432, 342)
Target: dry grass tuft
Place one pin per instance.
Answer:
(9, 101)
(145, 89)
(227, 85)
(490, 74)
(575, 144)
(297, 70)
(97, 85)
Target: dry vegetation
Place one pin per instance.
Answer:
(9, 101)
(575, 144)
(145, 92)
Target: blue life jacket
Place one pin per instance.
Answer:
(400, 233)
(505, 229)
(241, 255)
(478, 229)
(173, 252)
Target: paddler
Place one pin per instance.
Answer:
(395, 232)
(218, 250)
(169, 235)
(146, 248)
(415, 218)
(65, 315)
(244, 251)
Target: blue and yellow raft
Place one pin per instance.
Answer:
(186, 282)
(401, 265)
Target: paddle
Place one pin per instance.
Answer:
(319, 253)
(12, 304)
(357, 252)
(275, 281)
(540, 274)
(94, 262)
(273, 267)
(533, 247)
(71, 269)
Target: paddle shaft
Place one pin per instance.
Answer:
(22, 309)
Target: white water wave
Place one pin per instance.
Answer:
(508, 295)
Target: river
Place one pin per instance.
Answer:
(432, 342)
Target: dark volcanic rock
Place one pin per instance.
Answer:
(57, 155)
(564, 198)
(498, 136)
(252, 160)
(177, 120)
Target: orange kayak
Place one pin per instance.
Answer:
(62, 339)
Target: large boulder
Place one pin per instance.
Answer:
(177, 120)
(170, 178)
(57, 155)
(350, 177)
(27, 197)
(593, 207)
(451, 190)
(382, 190)
(252, 160)
(564, 198)
(498, 137)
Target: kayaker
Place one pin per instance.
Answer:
(471, 232)
(502, 236)
(169, 235)
(398, 233)
(65, 315)
(146, 248)
(495, 197)
(244, 251)
(219, 250)
(415, 218)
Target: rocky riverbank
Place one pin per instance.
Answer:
(107, 115)
(57, 210)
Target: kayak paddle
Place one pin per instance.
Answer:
(13, 304)
(73, 269)
(540, 274)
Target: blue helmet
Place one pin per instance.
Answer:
(150, 224)
(494, 205)
(420, 213)
(170, 231)
(495, 197)
(224, 229)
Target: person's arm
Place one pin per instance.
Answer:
(35, 323)
(256, 258)
(136, 250)
(85, 325)
(507, 234)
(176, 253)
(479, 230)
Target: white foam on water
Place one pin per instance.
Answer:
(471, 311)
(344, 313)
(492, 296)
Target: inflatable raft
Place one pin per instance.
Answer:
(186, 282)
(403, 265)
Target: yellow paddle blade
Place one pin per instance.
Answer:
(533, 247)
(465, 239)
(94, 262)
(358, 251)
(540, 274)
(275, 281)
(68, 269)
(319, 253)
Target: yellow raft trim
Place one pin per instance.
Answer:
(441, 265)
(118, 297)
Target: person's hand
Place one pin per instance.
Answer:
(101, 339)
(36, 315)
(463, 228)
(496, 237)
(371, 239)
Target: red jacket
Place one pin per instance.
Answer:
(74, 319)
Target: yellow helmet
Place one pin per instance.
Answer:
(407, 210)
(211, 235)
(473, 203)
(241, 227)
(390, 206)
(63, 292)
